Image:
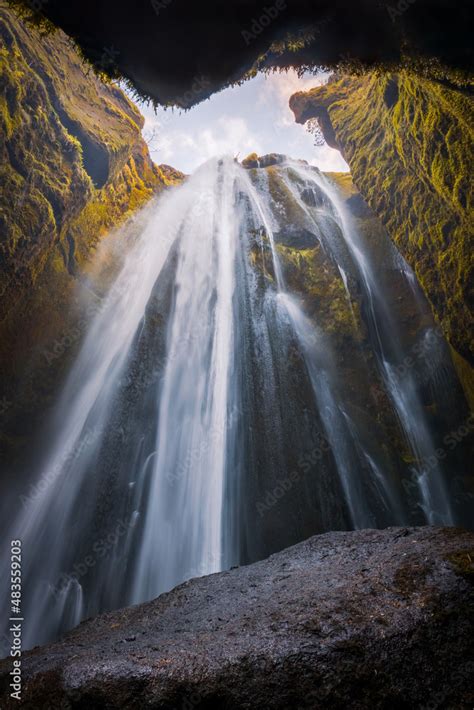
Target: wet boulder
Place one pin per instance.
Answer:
(365, 619)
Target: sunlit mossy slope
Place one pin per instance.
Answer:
(68, 142)
(409, 144)
(73, 164)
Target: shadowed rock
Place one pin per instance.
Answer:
(181, 52)
(366, 619)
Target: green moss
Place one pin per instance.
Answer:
(53, 115)
(411, 158)
(251, 161)
(466, 376)
(281, 194)
(463, 563)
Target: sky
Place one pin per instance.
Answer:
(253, 117)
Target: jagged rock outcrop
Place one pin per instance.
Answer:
(73, 165)
(263, 161)
(365, 619)
(409, 143)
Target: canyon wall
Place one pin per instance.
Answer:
(409, 144)
(73, 166)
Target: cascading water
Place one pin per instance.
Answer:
(203, 393)
(402, 390)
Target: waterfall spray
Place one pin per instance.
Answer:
(185, 407)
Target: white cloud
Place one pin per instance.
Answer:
(239, 120)
(328, 160)
(278, 87)
(227, 135)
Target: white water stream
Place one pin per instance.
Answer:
(192, 320)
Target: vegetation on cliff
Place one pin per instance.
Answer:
(313, 276)
(73, 165)
(409, 142)
(67, 141)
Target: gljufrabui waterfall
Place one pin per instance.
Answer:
(211, 417)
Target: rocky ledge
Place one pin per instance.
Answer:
(366, 619)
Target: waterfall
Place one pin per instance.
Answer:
(204, 421)
(402, 390)
(198, 402)
(316, 352)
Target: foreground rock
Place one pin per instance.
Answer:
(367, 619)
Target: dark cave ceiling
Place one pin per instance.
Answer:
(175, 51)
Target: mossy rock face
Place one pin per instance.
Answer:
(251, 161)
(68, 143)
(313, 276)
(73, 166)
(323, 276)
(409, 142)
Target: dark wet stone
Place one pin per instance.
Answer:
(263, 161)
(365, 619)
(358, 206)
(296, 237)
(312, 197)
